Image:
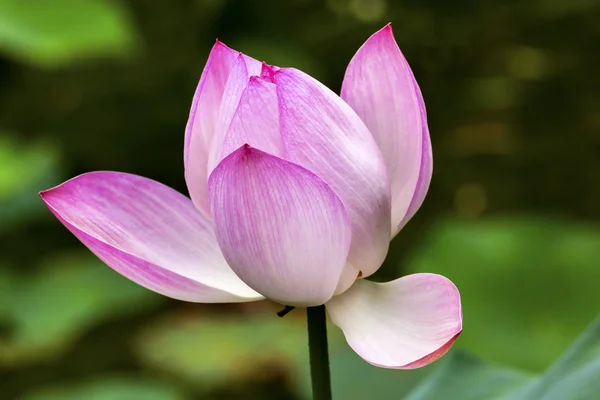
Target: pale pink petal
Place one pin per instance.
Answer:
(236, 84)
(281, 228)
(349, 276)
(404, 324)
(426, 168)
(204, 116)
(322, 133)
(255, 122)
(381, 88)
(149, 233)
(254, 66)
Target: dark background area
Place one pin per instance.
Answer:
(513, 99)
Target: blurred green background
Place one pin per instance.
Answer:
(513, 98)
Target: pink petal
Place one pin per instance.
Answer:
(349, 276)
(405, 324)
(281, 228)
(149, 233)
(255, 122)
(236, 84)
(205, 115)
(381, 88)
(426, 167)
(254, 66)
(322, 133)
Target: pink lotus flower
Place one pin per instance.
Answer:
(295, 195)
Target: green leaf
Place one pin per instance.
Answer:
(49, 310)
(50, 33)
(111, 389)
(576, 375)
(525, 283)
(462, 377)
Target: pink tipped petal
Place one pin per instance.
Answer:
(204, 116)
(267, 72)
(255, 122)
(426, 168)
(149, 233)
(380, 87)
(322, 133)
(254, 67)
(281, 228)
(406, 323)
(236, 84)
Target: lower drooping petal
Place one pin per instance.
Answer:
(149, 233)
(281, 228)
(406, 323)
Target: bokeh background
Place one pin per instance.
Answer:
(513, 99)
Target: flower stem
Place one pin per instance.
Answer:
(319, 354)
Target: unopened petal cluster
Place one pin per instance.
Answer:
(295, 194)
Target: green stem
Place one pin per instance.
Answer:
(319, 355)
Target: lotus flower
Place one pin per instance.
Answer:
(295, 195)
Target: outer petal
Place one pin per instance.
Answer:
(149, 233)
(255, 122)
(281, 228)
(381, 88)
(405, 324)
(204, 116)
(322, 133)
(426, 168)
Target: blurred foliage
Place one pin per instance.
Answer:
(112, 389)
(354, 379)
(575, 374)
(211, 350)
(51, 33)
(46, 311)
(512, 214)
(462, 377)
(24, 169)
(214, 350)
(574, 377)
(528, 285)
